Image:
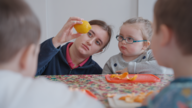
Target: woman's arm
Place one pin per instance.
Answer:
(47, 52)
(51, 47)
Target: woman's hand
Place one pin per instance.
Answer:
(66, 34)
(122, 71)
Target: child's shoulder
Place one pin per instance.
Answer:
(174, 95)
(116, 57)
(180, 94)
(148, 55)
(179, 86)
(145, 56)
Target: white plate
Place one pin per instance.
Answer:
(116, 103)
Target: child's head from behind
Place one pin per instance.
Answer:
(172, 30)
(19, 37)
(134, 37)
(95, 40)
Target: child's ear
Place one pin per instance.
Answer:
(146, 45)
(25, 58)
(166, 35)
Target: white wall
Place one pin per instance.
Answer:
(39, 8)
(145, 9)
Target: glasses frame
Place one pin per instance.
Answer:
(131, 38)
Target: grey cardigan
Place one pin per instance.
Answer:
(144, 64)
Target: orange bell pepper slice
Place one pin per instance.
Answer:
(133, 78)
(124, 75)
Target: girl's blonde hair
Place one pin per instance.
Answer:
(146, 27)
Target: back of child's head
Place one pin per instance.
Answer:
(177, 16)
(19, 28)
(146, 26)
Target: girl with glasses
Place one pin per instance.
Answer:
(135, 56)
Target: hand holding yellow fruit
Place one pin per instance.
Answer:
(66, 33)
(83, 28)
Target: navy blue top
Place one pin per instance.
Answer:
(52, 61)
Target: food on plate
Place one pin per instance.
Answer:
(124, 75)
(110, 95)
(131, 98)
(133, 78)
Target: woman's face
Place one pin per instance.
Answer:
(92, 42)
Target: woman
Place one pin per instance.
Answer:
(74, 58)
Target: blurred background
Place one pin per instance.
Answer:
(53, 14)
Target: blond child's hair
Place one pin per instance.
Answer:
(146, 27)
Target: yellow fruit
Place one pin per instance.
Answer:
(83, 28)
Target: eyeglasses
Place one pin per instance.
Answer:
(129, 40)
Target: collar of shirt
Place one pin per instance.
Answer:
(69, 58)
